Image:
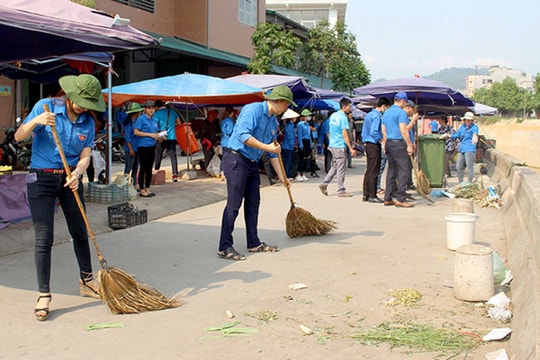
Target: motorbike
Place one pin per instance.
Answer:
(14, 153)
(117, 147)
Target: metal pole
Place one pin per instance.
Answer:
(109, 124)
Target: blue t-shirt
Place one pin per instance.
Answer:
(434, 125)
(254, 120)
(227, 126)
(146, 125)
(303, 132)
(161, 117)
(337, 123)
(371, 130)
(465, 134)
(391, 119)
(289, 136)
(74, 136)
(323, 132)
(129, 136)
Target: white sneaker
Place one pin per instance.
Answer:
(299, 178)
(305, 178)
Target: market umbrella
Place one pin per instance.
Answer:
(187, 88)
(421, 91)
(298, 85)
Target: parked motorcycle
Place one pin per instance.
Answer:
(117, 147)
(14, 153)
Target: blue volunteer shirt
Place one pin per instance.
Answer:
(303, 133)
(337, 123)
(73, 136)
(254, 120)
(163, 123)
(129, 136)
(227, 126)
(146, 125)
(371, 130)
(465, 134)
(289, 137)
(391, 119)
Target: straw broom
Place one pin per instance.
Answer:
(300, 222)
(118, 289)
(422, 183)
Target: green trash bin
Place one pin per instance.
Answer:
(431, 150)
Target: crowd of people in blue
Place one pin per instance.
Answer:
(262, 135)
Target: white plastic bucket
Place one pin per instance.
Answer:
(459, 229)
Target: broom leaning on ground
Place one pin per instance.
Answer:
(422, 183)
(118, 289)
(300, 222)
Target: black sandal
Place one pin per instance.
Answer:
(44, 310)
(264, 247)
(231, 254)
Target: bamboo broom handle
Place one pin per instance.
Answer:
(284, 174)
(102, 261)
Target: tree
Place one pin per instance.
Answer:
(535, 101)
(273, 46)
(333, 52)
(507, 97)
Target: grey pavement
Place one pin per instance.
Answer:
(375, 249)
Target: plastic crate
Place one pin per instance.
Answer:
(101, 193)
(125, 215)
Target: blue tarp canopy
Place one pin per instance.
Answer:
(187, 89)
(298, 85)
(421, 91)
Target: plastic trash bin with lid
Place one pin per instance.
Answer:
(431, 150)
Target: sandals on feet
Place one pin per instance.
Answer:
(42, 314)
(231, 254)
(264, 247)
(87, 288)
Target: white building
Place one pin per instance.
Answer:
(498, 74)
(310, 13)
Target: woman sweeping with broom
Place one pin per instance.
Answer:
(47, 181)
(254, 133)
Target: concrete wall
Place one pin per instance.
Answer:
(521, 210)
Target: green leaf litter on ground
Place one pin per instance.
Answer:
(99, 326)
(419, 337)
(229, 330)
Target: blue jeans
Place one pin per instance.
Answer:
(465, 160)
(44, 189)
(132, 166)
(381, 168)
(243, 183)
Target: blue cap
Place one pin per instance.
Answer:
(401, 96)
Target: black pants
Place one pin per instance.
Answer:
(146, 157)
(373, 157)
(398, 170)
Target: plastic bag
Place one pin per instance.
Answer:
(123, 179)
(98, 161)
(213, 166)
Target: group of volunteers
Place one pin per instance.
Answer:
(255, 132)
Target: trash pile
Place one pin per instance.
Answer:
(490, 197)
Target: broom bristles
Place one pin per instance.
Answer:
(300, 222)
(124, 295)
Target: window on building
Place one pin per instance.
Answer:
(147, 5)
(247, 12)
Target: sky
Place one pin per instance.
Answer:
(399, 39)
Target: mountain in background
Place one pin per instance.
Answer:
(456, 77)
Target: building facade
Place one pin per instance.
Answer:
(498, 74)
(310, 13)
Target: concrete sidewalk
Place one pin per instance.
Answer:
(349, 275)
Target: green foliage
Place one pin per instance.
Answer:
(508, 97)
(88, 3)
(333, 52)
(273, 46)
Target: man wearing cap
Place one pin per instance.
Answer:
(398, 148)
(167, 119)
(373, 138)
(468, 136)
(72, 115)
(338, 144)
(254, 133)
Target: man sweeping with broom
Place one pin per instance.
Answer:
(254, 133)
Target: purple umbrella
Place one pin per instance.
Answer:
(421, 91)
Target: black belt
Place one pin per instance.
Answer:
(395, 140)
(229, 150)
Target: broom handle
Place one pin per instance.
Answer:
(102, 261)
(284, 174)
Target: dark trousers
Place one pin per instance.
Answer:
(43, 191)
(305, 154)
(398, 170)
(132, 166)
(287, 161)
(170, 146)
(146, 157)
(373, 157)
(243, 182)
